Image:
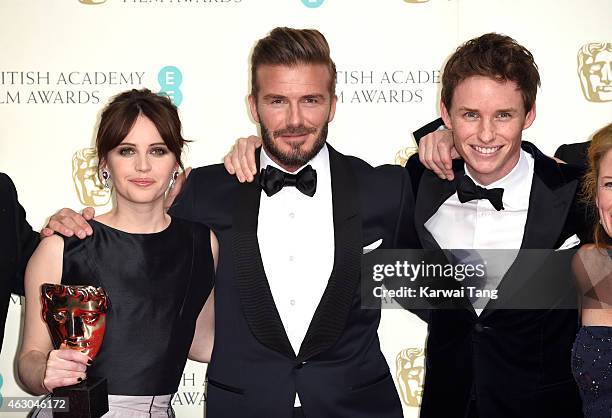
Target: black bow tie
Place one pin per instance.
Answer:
(468, 190)
(272, 180)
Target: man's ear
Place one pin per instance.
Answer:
(332, 108)
(445, 115)
(253, 108)
(530, 117)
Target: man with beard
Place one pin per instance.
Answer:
(291, 339)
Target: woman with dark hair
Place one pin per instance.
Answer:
(157, 271)
(592, 351)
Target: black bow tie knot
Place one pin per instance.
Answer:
(468, 190)
(272, 180)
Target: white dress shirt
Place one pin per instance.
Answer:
(477, 225)
(296, 240)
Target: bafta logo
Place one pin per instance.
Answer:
(402, 156)
(92, 1)
(410, 372)
(88, 187)
(595, 71)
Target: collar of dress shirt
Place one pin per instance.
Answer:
(516, 184)
(320, 162)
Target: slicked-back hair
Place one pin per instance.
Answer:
(291, 47)
(121, 113)
(599, 147)
(496, 56)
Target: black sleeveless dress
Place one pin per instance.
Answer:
(157, 285)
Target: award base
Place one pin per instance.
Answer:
(88, 399)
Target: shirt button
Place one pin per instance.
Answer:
(292, 302)
(291, 215)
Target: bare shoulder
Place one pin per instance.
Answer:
(46, 262)
(592, 260)
(588, 251)
(51, 245)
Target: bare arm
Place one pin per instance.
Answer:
(41, 368)
(204, 337)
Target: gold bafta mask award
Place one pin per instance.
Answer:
(410, 373)
(403, 155)
(76, 317)
(89, 189)
(595, 71)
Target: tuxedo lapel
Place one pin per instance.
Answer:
(550, 200)
(255, 296)
(330, 317)
(432, 193)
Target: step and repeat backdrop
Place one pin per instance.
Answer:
(61, 60)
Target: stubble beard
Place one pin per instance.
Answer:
(297, 156)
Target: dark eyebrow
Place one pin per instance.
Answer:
(150, 145)
(314, 96)
(273, 97)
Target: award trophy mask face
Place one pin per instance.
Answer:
(76, 316)
(595, 71)
(410, 368)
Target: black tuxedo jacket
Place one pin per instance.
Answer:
(17, 242)
(510, 363)
(339, 370)
(574, 153)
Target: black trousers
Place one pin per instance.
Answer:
(298, 413)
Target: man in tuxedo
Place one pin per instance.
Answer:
(17, 242)
(291, 339)
(503, 362)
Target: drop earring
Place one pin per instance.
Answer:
(106, 178)
(173, 179)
